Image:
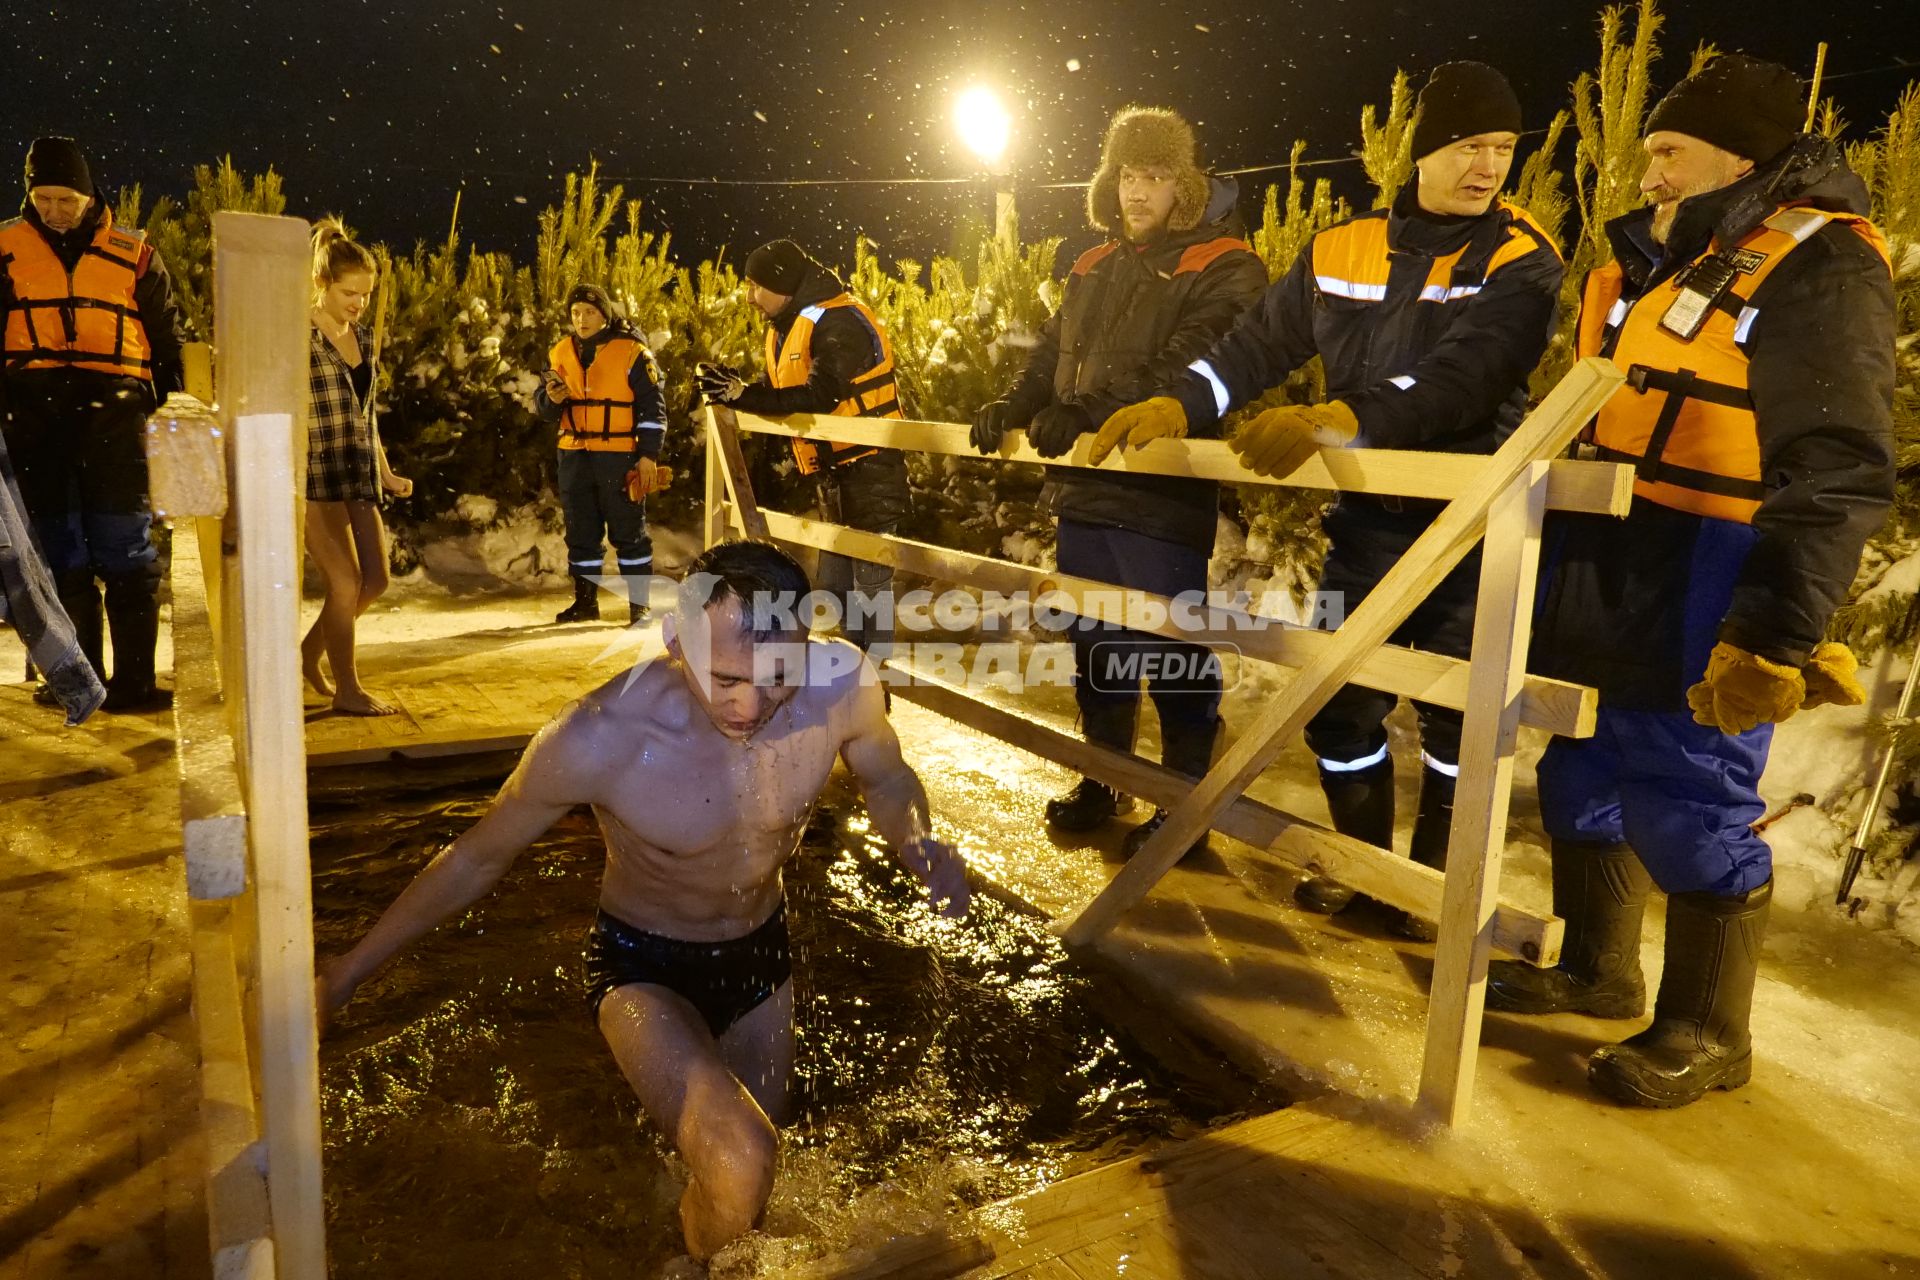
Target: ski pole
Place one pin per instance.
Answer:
(1857, 854)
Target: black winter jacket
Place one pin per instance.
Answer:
(1446, 371)
(1634, 607)
(1131, 319)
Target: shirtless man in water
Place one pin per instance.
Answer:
(701, 766)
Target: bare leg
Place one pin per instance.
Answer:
(759, 1048)
(330, 542)
(683, 1083)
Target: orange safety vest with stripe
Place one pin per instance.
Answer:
(1352, 260)
(83, 319)
(1685, 419)
(598, 414)
(874, 393)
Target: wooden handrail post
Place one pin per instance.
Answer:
(1478, 839)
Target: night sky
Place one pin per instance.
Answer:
(380, 111)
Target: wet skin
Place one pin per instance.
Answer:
(701, 779)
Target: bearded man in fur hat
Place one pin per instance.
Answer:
(1137, 309)
(1427, 316)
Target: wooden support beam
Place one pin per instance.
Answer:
(1478, 839)
(1604, 488)
(723, 431)
(1553, 705)
(714, 521)
(239, 1225)
(1546, 431)
(213, 818)
(1303, 845)
(262, 278)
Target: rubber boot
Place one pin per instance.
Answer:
(586, 603)
(1699, 1039)
(1190, 749)
(1432, 827)
(1361, 801)
(1089, 804)
(1600, 890)
(638, 610)
(133, 616)
(80, 597)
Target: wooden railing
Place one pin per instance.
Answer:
(1500, 500)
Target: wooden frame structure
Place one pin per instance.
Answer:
(1501, 500)
(242, 760)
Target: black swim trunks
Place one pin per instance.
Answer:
(725, 981)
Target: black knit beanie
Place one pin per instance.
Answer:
(1462, 99)
(57, 162)
(778, 267)
(594, 296)
(1744, 105)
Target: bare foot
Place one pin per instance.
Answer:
(358, 702)
(310, 654)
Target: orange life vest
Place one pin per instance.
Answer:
(86, 319)
(1353, 260)
(1685, 418)
(874, 393)
(598, 415)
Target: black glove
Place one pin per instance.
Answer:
(1056, 427)
(718, 383)
(994, 420)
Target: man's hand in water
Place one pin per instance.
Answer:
(942, 870)
(331, 990)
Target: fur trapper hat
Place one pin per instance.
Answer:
(1148, 137)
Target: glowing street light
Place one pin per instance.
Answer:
(983, 124)
(985, 127)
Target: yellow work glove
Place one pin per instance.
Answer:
(1133, 427)
(1279, 440)
(1744, 690)
(1832, 677)
(647, 477)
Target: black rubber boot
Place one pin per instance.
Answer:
(133, 616)
(586, 603)
(1600, 890)
(1089, 803)
(1361, 801)
(1190, 749)
(1699, 1038)
(638, 610)
(1432, 827)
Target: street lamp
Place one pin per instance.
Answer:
(985, 127)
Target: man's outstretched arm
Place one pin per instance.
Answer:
(556, 772)
(897, 801)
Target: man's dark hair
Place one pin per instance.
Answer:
(768, 583)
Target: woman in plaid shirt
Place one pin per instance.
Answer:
(346, 467)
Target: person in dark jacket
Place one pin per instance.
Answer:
(1137, 308)
(1753, 310)
(92, 346)
(603, 388)
(827, 354)
(1428, 317)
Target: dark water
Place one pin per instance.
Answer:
(476, 1125)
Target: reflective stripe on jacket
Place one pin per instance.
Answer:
(86, 319)
(1685, 419)
(873, 392)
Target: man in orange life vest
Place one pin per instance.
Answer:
(1427, 316)
(92, 345)
(603, 388)
(1752, 308)
(1174, 274)
(827, 354)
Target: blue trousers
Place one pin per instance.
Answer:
(593, 494)
(1683, 795)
